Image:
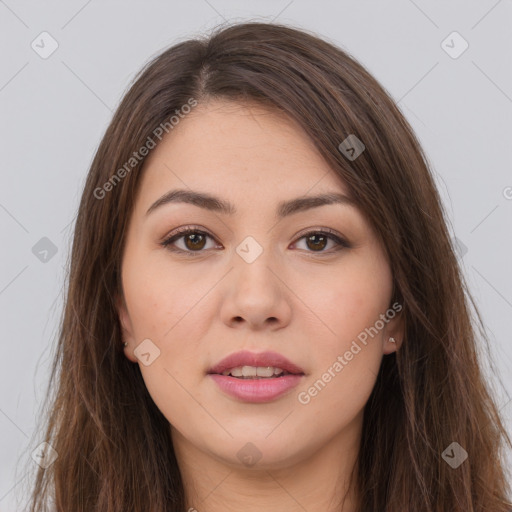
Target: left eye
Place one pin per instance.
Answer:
(318, 240)
(195, 241)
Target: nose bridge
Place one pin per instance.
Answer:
(253, 261)
(254, 291)
(250, 249)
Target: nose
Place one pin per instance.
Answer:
(255, 295)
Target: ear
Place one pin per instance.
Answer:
(126, 327)
(395, 328)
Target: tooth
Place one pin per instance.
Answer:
(248, 371)
(236, 372)
(267, 371)
(252, 372)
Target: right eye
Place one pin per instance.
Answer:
(193, 239)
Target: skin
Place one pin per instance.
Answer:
(291, 300)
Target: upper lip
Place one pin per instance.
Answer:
(247, 358)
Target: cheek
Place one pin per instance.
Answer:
(344, 306)
(166, 307)
(168, 318)
(163, 301)
(348, 346)
(347, 358)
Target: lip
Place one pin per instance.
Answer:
(246, 358)
(256, 390)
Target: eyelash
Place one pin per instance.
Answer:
(181, 232)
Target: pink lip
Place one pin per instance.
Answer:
(256, 390)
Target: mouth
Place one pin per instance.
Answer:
(251, 377)
(246, 364)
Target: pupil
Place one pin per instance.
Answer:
(311, 237)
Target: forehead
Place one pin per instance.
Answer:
(233, 149)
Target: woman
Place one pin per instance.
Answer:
(265, 311)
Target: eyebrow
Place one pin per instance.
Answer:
(216, 204)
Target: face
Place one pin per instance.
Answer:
(307, 284)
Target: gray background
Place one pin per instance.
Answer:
(54, 112)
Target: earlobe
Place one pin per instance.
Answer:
(392, 345)
(394, 335)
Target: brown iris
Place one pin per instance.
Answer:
(195, 241)
(317, 246)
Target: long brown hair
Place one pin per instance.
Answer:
(113, 444)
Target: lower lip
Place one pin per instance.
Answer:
(256, 390)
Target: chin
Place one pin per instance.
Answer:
(258, 452)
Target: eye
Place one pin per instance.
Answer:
(194, 240)
(318, 240)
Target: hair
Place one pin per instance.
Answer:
(114, 446)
